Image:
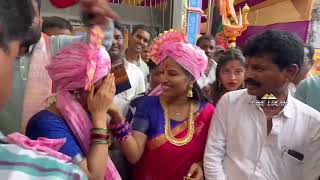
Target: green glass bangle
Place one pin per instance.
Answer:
(99, 142)
(99, 130)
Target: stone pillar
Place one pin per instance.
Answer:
(188, 22)
(314, 36)
(178, 14)
(314, 30)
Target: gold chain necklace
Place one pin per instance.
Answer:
(167, 127)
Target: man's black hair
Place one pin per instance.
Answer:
(140, 27)
(120, 27)
(151, 65)
(284, 48)
(55, 21)
(310, 52)
(15, 20)
(205, 37)
(219, 48)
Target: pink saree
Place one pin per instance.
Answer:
(165, 161)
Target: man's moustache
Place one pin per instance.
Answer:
(253, 82)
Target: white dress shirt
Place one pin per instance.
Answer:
(292, 88)
(239, 148)
(212, 74)
(206, 80)
(144, 69)
(137, 86)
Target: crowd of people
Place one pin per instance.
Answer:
(88, 107)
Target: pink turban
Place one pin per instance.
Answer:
(174, 44)
(78, 66)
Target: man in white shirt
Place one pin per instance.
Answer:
(138, 41)
(207, 43)
(135, 75)
(276, 137)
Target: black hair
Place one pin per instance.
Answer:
(152, 65)
(120, 27)
(284, 48)
(55, 21)
(219, 49)
(139, 27)
(310, 52)
(196, 90)
(198, 94)
(15, 20)
(217, 89)
(205, 37)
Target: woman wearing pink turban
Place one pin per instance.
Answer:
(77, 112)
(169, 132)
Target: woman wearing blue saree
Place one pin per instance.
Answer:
(169, 131)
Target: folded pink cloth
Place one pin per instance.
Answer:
(49, 146)
(156, 91)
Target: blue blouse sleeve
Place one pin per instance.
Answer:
(132, 108)
(141, 119)
(46, 124)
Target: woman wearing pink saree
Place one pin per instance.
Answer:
(168, 133)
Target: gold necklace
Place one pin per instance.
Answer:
(167, 127)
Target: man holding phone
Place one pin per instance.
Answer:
(129, 78)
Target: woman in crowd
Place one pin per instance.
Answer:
(154, 77)
(169, 131)
(80, 77)
(229, 74)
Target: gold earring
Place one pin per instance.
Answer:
(190, 92)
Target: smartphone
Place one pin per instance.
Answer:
(121, 78)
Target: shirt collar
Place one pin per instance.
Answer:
(125, 62)
(3, 139)
(213, 61)
(137, 61)
(288, 110)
